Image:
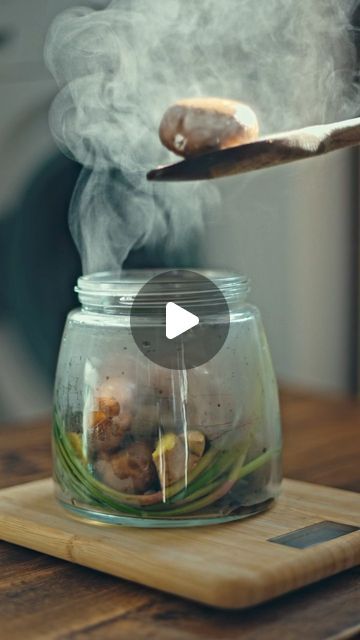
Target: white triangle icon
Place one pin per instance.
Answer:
(178, 320)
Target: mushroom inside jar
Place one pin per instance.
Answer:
(162, 468)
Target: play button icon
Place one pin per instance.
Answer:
(178, 320)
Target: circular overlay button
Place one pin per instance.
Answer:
(179, 319)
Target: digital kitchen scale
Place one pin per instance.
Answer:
(312, 532)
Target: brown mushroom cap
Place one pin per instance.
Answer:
(135, 468)
(194, 126)
(105, 433)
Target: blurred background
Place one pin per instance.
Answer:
(293, 230)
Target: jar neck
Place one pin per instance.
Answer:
(114, 293)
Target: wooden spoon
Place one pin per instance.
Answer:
(265, 152)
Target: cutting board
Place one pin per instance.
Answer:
(312, 532)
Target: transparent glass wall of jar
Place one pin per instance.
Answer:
(135, 443)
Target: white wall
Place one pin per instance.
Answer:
(289, 229)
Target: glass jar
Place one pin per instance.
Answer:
(139, 444)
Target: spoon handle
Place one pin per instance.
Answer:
(344, 134)
(266, 152)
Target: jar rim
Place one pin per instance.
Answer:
(119, 288)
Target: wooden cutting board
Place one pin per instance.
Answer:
(312, 532)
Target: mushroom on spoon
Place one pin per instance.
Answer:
(196, 126)
(213, 152)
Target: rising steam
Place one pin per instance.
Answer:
(120, 68)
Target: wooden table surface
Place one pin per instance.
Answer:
(42, 597)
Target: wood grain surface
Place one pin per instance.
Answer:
(231, 566)
(41, 597)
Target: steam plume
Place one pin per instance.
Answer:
(119, 68)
